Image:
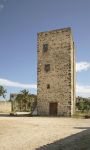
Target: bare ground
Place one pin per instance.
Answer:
(44, 133)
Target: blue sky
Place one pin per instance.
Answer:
(20, 20)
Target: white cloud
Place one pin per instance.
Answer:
(8, 83)
(83, 90)
(82, 66)
(80, 89)
(1, 6)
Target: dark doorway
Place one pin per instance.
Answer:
(53, 108)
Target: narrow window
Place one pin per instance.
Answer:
(48, 86)
(47, 67)
(45, 47)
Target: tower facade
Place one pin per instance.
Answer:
(56, 73)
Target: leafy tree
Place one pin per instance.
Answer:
(87, 105)
(83, 105)
(2, 91)
(24, 101)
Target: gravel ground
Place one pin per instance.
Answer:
(44, 133)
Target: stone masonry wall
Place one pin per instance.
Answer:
(5, 107)
(60, 55)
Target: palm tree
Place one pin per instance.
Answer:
(23, 100)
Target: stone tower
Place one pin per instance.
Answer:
(56, 73)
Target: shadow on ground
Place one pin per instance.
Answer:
(4, 114)
(10, 115)
(79, 141)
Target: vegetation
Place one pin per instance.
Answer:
(83, 106)
(24, 101)
(2, 91)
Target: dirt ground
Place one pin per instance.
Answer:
(44, 133)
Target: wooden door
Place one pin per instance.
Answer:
(53, 108)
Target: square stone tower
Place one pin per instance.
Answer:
(56, 73)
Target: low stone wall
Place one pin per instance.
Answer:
(5, 106)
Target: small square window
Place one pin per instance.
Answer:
(48, 86)
(45, 47)
(47, 67)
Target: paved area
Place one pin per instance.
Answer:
(44, 133)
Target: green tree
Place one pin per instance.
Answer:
(83, 105)
(2, 91)
(23, 101)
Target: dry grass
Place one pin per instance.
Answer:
(30, 133)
